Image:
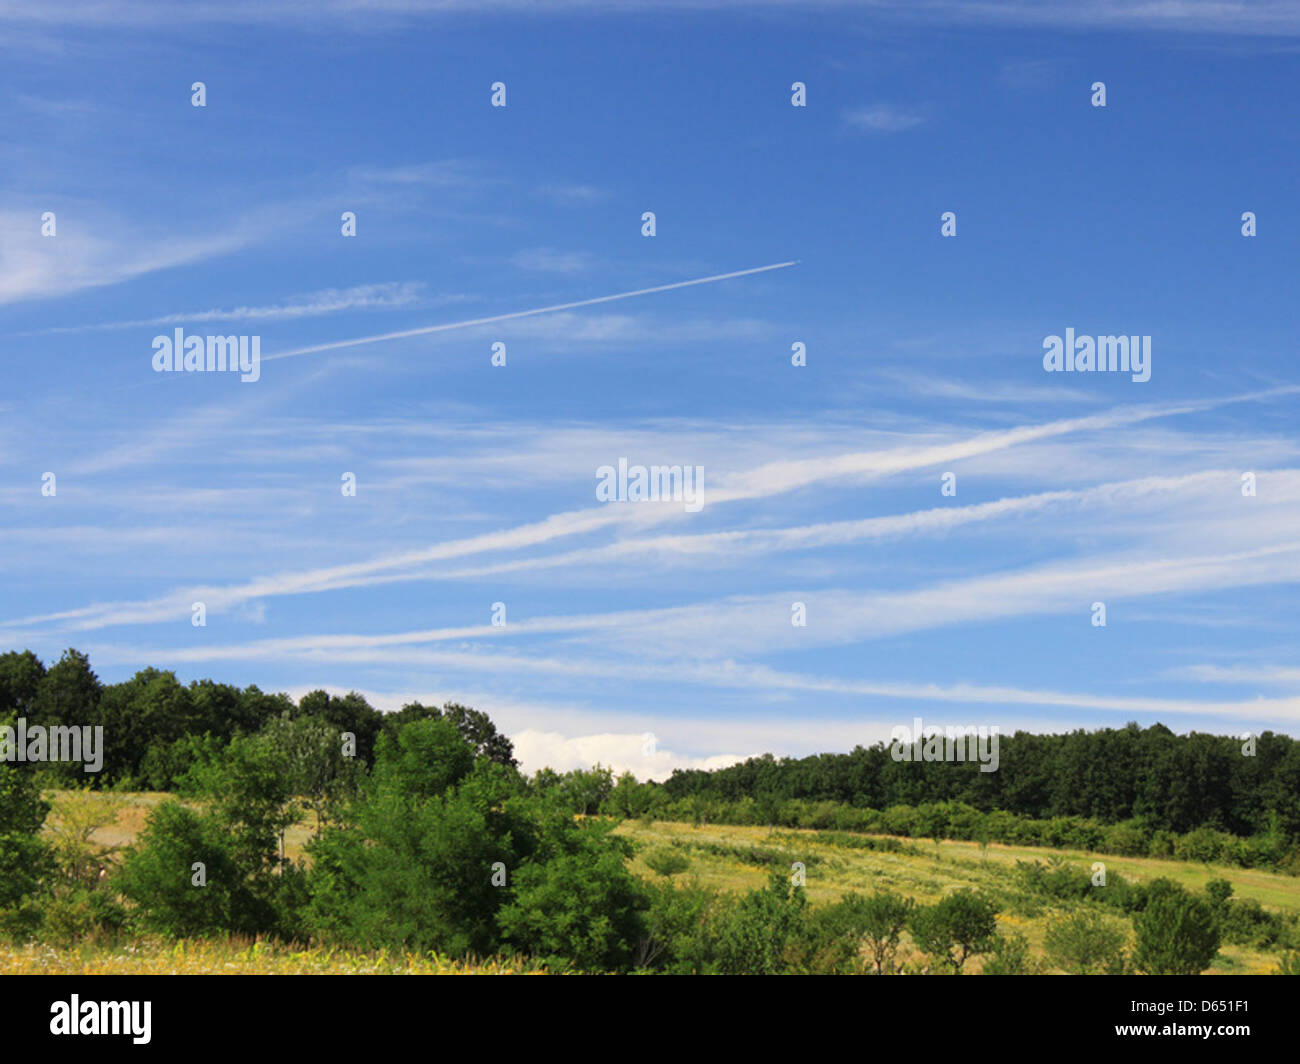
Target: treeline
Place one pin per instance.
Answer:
(1172, 783)
(155, 727)
(1169, 783)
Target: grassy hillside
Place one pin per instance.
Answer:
(722, 857)
(737, 858)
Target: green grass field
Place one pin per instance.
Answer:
(833, 869)
(721, 857)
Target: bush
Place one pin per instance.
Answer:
(1247, 923)
(420, 868)
(752, 936)
(1203, 845)
(71, 915)
(900, 820)
(675, 938)
(881, 919)
(832, 942)
(1244, 922)
(1054, 879)
(76, 818)
(158, 875)
(579, 903)
(1162, 844)
(666, 861)
(1128, 838)
(1010, 956)
(1177, 933)
(956, 928)
(1082, 943)
(24, 857)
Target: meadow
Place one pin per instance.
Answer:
(733, 859)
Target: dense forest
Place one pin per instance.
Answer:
(425, 836)
(1172, 782)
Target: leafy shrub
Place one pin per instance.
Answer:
(955, 928)
(1177, 933)
(24, 856)
(79, 913)
(159, 876)
(1010, 955)
(753, 935)
(1128, 838)
(578, 903)
(1082, 943)
(881, 919)
(416, 863)
(1202, 845)
(666, 861)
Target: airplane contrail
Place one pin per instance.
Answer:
(522, 313)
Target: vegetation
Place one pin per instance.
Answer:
(297, 833)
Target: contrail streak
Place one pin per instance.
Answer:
(522, 313)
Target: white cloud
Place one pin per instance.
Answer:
(381, 296)
(1270, 675)
(728, 675)
(765, 481)
(573, 194)
(884, 118)
(92, 255)
(621, 753)
(551, 260)
(1236, 17)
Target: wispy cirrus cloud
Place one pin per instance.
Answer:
(573, 194)
(722, 674)
(766, 481)
(884, 118)
(1238, 17)
(383, 296)
(93, 254)
(552, 260)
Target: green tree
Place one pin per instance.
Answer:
(184, 878)
(676, 938)
(143, 720)
(474, 726)
(584, 791)
(250, 789)
(20, 679)
(955, 928)
(753, 934)
(76, 818)
(884, 915)
(24, 856)
(351, 714)
(68, 693)
(313, 759)
(416, 861)
(574, 900)
(1177, 933)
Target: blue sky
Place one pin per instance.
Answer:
(476, 484)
